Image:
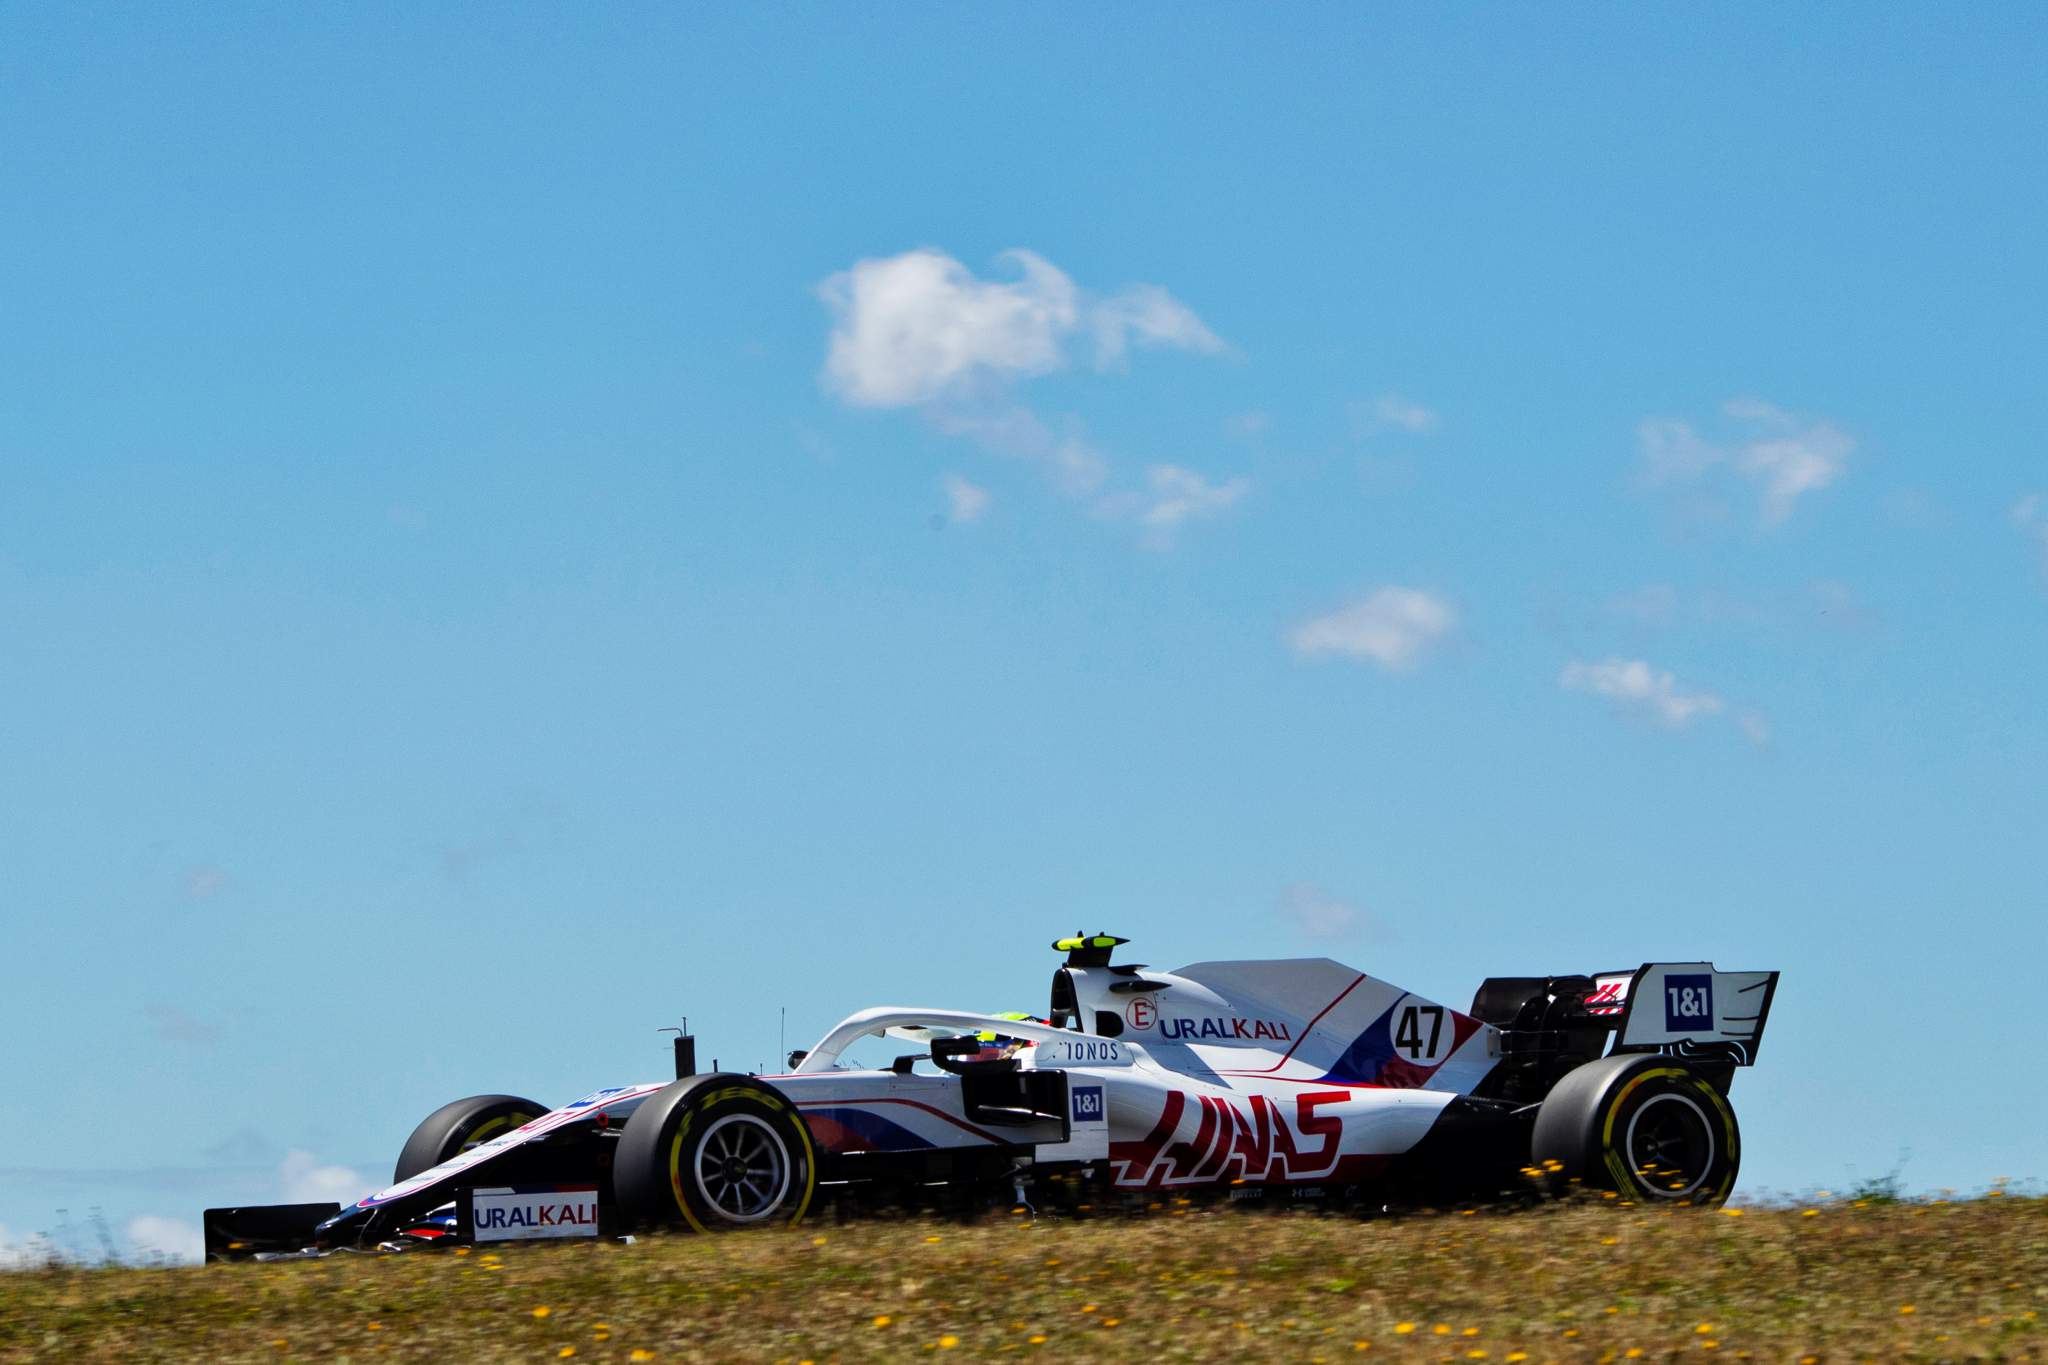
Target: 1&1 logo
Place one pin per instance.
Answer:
(1688, 1003)
(1088, 1104)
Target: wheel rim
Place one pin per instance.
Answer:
(1670, 1145)
(742, 1168)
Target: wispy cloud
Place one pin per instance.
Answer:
(1785, 455)
(304, 1179)
(1392, 627)
(203, 883)
(1821, 603)
(1172, 496)
(1316, 914)
(21, 1252)
(966, 502)
(1392, 412)
(165, 1239)
(920, 331)
(1638, 687)
(1075, 467)
(2030, 515)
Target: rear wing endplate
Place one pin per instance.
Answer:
(1692, 1010)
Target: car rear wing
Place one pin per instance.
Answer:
(1689, 1009)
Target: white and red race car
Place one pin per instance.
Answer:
(1297, 1079)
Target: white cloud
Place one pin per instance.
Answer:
(1246, 425)
(1791, 466)
(22, 1253)
(1177, 494)
(965, 501)
(2030, 515)
(166, 1239)
(1755, 728)
(304, 1180)
(921, 331)
(1317, 914)
(1076, 467)
(1392, 412)
(1673, 451)
(1635, 685)
(1393, 627)
(1784, 454)
(919, 327)
(1150, 316)
(1172, 495)
(202, 882)
(1820, 603)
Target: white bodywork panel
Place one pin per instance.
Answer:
(1223, 1072)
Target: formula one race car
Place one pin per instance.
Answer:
(1289, 1079)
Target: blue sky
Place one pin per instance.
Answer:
(517, 526)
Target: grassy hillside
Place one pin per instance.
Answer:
(1941, 1281)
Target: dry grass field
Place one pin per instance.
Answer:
(1840, 1281)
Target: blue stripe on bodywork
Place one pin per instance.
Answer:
(1368, 1054)
(882, 1135)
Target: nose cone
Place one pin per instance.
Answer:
(344, 1229)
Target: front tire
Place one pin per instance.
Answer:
(715, 1152)
(1644, 1125)
(460, 1125)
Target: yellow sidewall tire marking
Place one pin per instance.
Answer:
(1617, 1162)
(675, 1175)
(767, 1099)
(507, 1121)
(803, 1133)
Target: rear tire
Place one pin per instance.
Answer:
(1644, 1125)
(459, 1125)
(715, 1152)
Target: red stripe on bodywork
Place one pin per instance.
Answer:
(1311, 1028)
